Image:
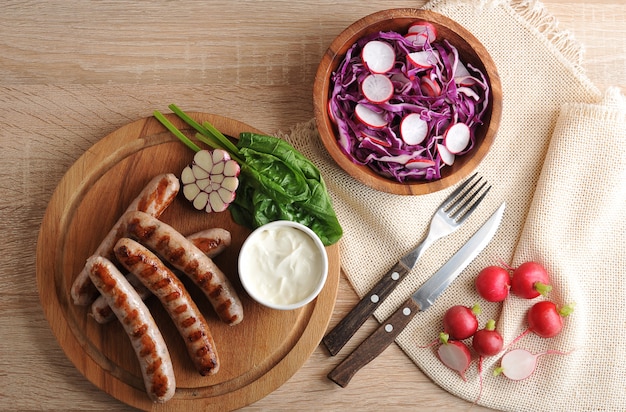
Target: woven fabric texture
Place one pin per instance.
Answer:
(559, 163)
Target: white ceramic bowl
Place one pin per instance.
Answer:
(283, 265)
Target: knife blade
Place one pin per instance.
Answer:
(421, 300)
(339, 336)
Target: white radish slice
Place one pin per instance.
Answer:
(456, 356)
(462, 76)
(446, 156)
(375, 140)
(378, 56)
(430, 87)
(424, 27)
(420, 163)
(460, 70)
(456, 138)
(468, 92)
(370, 117)
(424, 59)
(401, 79)
(518, 364)
(211, 180)
(377, 88)
(331, 113)
(466, 81)
(417, 39)
(413, 129)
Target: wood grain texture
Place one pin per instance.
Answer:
(256, 356)
(375, 344)
(72, 72)
(364, 309)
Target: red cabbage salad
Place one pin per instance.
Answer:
(406, 105)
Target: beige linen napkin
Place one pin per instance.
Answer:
(559, 164)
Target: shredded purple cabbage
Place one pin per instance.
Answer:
(383, 150)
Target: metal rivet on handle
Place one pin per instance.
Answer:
(388, 327)
(395, 276)
(374, 298)
(406, 311)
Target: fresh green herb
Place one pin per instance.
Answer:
(169, 126)
(276, 182)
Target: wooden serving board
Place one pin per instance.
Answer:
(257, 356)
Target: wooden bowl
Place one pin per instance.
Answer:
(470, 50)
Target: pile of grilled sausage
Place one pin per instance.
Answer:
(139, 243)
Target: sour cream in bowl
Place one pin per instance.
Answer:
(283, 265)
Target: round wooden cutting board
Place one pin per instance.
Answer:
(257, 356)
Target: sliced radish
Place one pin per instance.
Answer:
(519, 364)
(466, 81)
(457, 137)
(378, 56)
(211, 180)
(413, 129)
(446, 156)
(454, 354)
(331, 113)
(377, 88)
(401, 79)
(429, 87)
(419, 163)
(375, 140)
(424, 27)
(468, 92)
(462, 76)
(461, 71)
(424, 59)
(417, 39)
(370, 117)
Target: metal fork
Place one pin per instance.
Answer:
(450, 215)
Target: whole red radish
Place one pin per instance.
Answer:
(545, 320)
(493, 283)
(530, 280)
(460, 321)
(454, 354)
(488, 341)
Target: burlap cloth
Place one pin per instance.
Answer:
(559, 162)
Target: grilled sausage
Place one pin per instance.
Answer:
(102, 312)
(147, 341)
(184, 256)
(189, 321)
(153, 199)
(210, 241)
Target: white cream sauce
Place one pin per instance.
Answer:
(282, 265)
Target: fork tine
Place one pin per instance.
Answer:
(463, 195)
(456, 191)
(474, 205)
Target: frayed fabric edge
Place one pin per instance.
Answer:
(563, 40)
(534, 15)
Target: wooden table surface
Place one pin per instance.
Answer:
(73, 71)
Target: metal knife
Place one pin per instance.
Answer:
(444, 222)
(421, 300)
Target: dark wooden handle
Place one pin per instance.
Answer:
(375, 344)
(347, 327)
